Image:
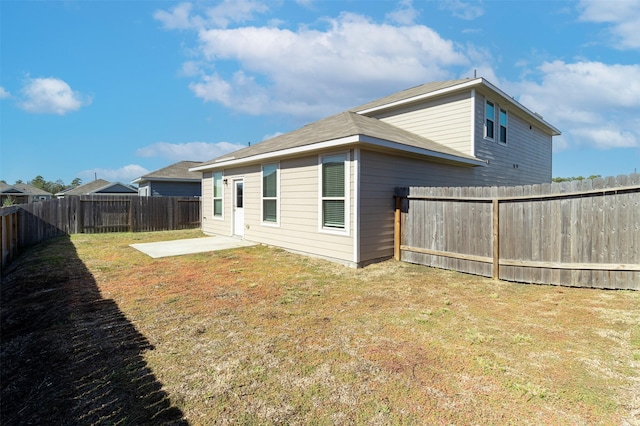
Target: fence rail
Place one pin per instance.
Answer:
(29, 224)
(581, 233)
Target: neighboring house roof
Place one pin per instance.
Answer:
(344, 128)
(30, 189)
(175, 172)
(99, 186)
(21, 189)
(425, 91)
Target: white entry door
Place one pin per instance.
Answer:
(238, 207)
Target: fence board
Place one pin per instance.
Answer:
(581, 233)
(29, 224)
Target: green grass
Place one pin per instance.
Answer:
(262, 336)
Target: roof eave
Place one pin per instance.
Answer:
(341, 142)
(553, 130)
(462, 86)
(445, 90)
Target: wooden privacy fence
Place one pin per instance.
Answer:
(29, 224)
(581, 233)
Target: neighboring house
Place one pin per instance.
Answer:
(99, 187)
(327, 188)
(22, 193)
(175, 180)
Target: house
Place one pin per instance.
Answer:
(175, 180)
(327, 188)
(99, 187)
(22, 193)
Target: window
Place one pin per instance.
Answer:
(218, 190)
(490, 116)
(503, 126)
(270, 193)
(333, 191)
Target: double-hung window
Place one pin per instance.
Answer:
(270, 193)
(490, 116)
(503, 126)
(333, 191)
(218, 190)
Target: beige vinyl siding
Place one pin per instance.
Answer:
(444, 120)
(524, 160)
(251, 175)
(298, 214)
(380, 174)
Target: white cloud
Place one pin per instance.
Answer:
(4, 94)
(124, 174)
(595, 104)
(51, 96)
(191, 151)
(405, 14)
(314, 72)
(622, 15)
(219, 16)
(178, 18)
(271, 135)
(467, 10)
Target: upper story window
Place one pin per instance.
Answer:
(270, 193)
(333, 191)
(503, 126)
(218, 191)
(490, 116)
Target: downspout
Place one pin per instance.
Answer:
(473, 122)
(356, 206)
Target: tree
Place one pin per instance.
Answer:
(38, 182)
(569, 179)
(55, 187)
(76, 182)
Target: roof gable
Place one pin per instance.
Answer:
(357, 125)
(339, 126)
(22, 189)
(100, 186)
(174, 172)
(429, 90)
(413, 92)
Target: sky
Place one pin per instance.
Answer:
(116, 89)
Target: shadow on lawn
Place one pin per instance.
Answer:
(68, 355)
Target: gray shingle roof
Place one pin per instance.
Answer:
(177, 171)
(95, 186)
(339, 126)
(24, 188)
(423, 89)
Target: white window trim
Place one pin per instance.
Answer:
(347, 195)
(493, 119)
(275, 224)
(500, 125)
(213, 199)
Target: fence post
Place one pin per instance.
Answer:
(130, 203)
(495, 274)
(397, 228)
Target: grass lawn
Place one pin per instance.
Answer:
(94, 331)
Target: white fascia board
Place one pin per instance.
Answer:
(274, 154)
(177, 180)
(423, 96)
(421, 151)
(336, 143)
(469, 84)
(521, 107)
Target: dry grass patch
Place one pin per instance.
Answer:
(261, 336)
